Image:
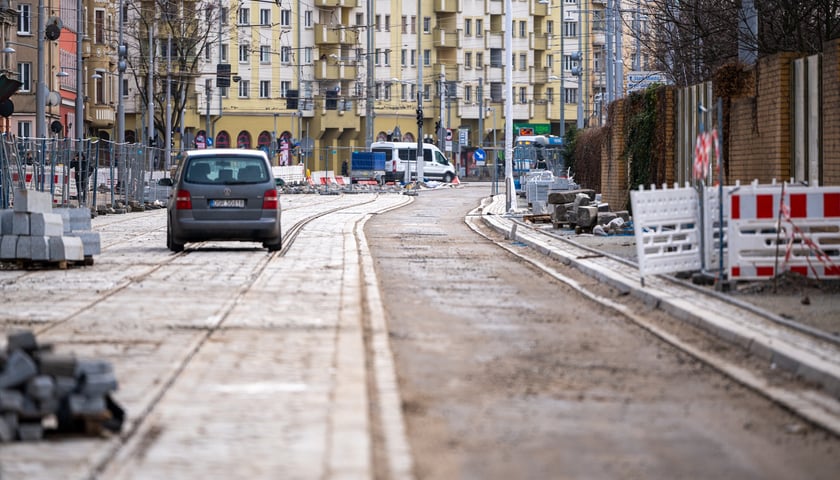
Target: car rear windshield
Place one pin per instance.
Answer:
(226, 170)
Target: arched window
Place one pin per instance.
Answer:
(223, 140)
(243, 140)
(408, 137)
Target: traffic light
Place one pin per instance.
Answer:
(419, 117)
(122, 53)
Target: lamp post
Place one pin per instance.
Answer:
(495, 153)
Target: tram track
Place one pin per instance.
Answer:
(290, 236)
(776, 343)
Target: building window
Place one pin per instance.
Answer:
(568, 63)
(570, 29)
(224, 14)
(427, 24)
(387, 23)
(285, 18)
(387, 57)
(468, 27)
(388, 91)
(244, 86)
(265, 89)
(360, 19)
(223, 92)
(479, 60)
(25, 76)
(285, 54)
(495, 57)
(99, 89)
(549, 95)
(413, 57)
(307, 56)
(265, 17)
(403, 91)
(125, 88)
(24, 26)
(223, 53)
(549, 27)
(124, 15)
(404, 24)
(496, 92)
(24, 129)
(403, 57)
(467, 60)
(307, 19)
(427, 92)
(549, 62)
(244, 53)
(378, 23)
(376, 60)
(99, 27)
(523, 28)
(208, 53)
(467, 93)
(570, 95)
(285, 86)
(265, 54)
(244, 15)
(479, 27)
(414, 24)
(523, 62)
(427, 57)
(523, 95)
(596, 62)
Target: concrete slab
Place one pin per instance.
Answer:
(46, 224)
(32, 201)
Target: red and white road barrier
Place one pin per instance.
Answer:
(808, 236)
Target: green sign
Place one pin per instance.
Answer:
(535, 129)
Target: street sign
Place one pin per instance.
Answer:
(480, 156)
(448, 134)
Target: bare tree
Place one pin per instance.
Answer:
(182, 32)
(690, 39)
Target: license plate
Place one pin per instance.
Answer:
(227, 203)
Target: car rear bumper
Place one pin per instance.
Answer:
(188, 229)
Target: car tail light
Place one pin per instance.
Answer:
(270, 200)
(183, 201)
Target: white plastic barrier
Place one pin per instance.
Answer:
(807, 242)
(291, 174)
(667, 230)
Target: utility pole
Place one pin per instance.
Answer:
(79, 126)
(41, 87)
(167, 147)
(562, 78)
(370, 77)
(441, 127)
(510, 189)
(419, 159)
(121, 66)
(150, 93)
(481, 113)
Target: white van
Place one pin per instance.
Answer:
(397, 154)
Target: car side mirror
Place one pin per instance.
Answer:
(165, 182)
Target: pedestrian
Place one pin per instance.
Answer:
(84, 170)
(344, 168)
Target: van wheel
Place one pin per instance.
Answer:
(171, 243)
(448, 177)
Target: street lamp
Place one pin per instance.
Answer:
(578, 72)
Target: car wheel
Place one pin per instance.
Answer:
(447, 178)
(171, 243)
(273, 247)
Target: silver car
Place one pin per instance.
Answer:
(223, 194)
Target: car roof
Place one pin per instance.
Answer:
(212, 152)
(401, 145)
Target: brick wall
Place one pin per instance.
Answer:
(759, 134)
(831, 114)
(613, 165)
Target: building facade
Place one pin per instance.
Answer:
(312, 82)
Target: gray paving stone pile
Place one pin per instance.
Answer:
(33, 231)
(43, 391)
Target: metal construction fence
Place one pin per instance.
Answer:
(88, 173)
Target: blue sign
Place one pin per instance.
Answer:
(209, 142)
(479, 156)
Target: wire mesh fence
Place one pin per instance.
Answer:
(90, 173)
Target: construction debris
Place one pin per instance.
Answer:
(41, 391)
(582, 211)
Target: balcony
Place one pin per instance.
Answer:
(446, 6)
(494, 40)
(446, 39)
(332, 70)
(343, 117)
(337, 3)
(332, 35)
(539, 41)
(449, 72)
(495, 7)
(101, 116)
(539, 75)
(539, 9)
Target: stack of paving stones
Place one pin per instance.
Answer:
(44, 391)
(579, 209)
(35, 232)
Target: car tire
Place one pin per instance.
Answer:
(171, 243)
(273, 247)
(448, 177)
